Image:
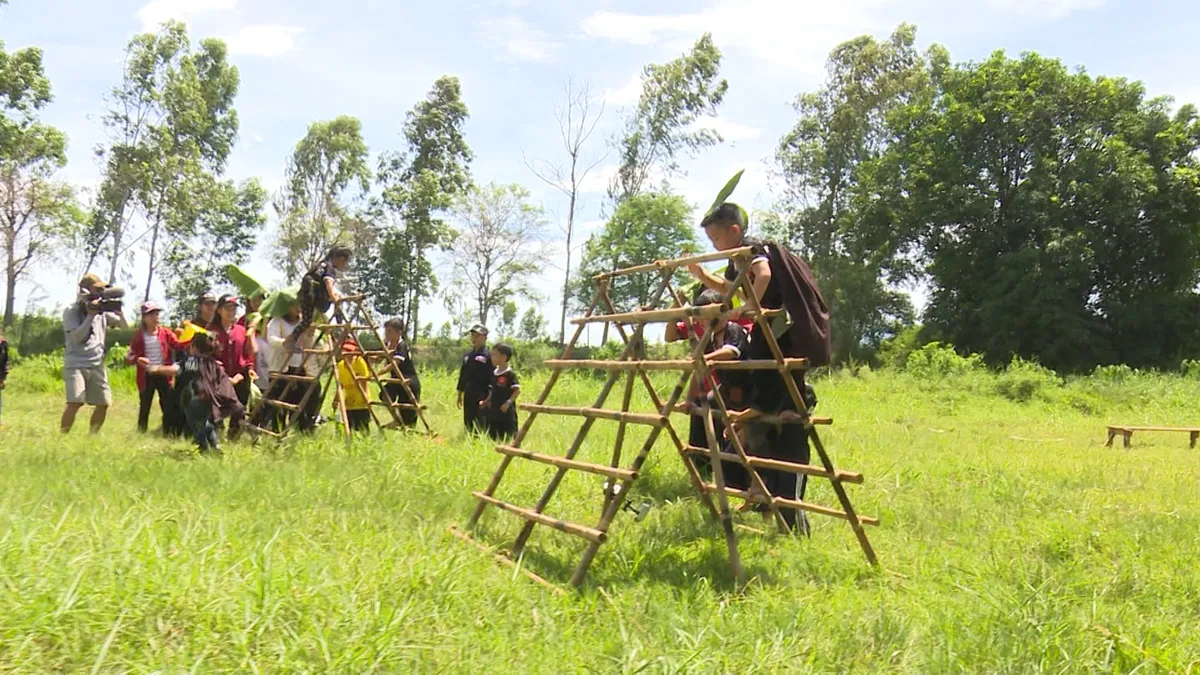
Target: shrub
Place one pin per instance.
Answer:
(938, 360)
(1023, 380)
(1117, 373)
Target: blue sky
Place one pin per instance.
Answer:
(305, 60)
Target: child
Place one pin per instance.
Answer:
(351, 368)
(402, 357)
(151, 349)
(3, 368)
(206, 393)
(318, 290)
(503, 391)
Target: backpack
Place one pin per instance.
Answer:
(808, 334)
(313, 291)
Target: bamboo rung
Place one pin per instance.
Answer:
(589, 533)
(291, 378)
(281, 404)
(564, 463)
(746, 416)
(266, 432)
(679, 262)
(598, 413)
(505, 560)
(318, 351)
(398, 406)
(777, 465)
(342, 326)
(676, 314)
(793, 504)
(353, 298)
(592, 364)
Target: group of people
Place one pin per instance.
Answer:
(488, 388)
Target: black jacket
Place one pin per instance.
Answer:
(475, 374)
(3, 359)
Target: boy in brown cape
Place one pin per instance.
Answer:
(207, 395)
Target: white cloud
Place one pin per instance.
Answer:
(517, 38)
(1048, 9)
(729, 130)
(156, 12)
(597, 181)
(627, 94)
(263, 40)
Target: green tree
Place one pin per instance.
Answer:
(416, 187)
(661, 129)
(499, 248)
(644, 228)
(36, 210)
(508, 318)
(172, 125)
(1057, 213)
(842, 187)
(327, 170)
(533, 325)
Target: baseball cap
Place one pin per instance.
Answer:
(90, 280)
(150, 308)
(207, 296)
(479, 328)
(227, 299)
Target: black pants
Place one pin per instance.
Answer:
(161, 385)
(502, 426)
(242, 389)
(473, 416)
(787, 443)
(396, 391)
(360, 420)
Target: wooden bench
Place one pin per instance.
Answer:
(1127, 433)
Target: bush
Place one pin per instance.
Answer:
(1023, 380)
(1117, 373)
(894, 351)
(938, 360)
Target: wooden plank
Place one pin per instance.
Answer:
(598, 413)
(777, 465)
(1130, 428)
(286, 377)
(281, 404)
(745, 416)
(676, 364)
(583, 531)
(742, 252)
(563, 462)
(794, 504)
(704, 312)
(506, 561)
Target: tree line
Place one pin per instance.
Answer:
(1051, 214)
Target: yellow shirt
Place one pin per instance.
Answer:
(355, 392)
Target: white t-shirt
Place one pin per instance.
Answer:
(153, 348)
(262, 361)
(279, 330)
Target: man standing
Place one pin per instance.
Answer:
(235, 350)
(474, 376)
(287, 358)
(85, 377)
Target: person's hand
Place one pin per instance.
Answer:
(143, 361)
(253, 374)
(696, 270)
(485, 403)
(506, 406)
(93, 308)
(236, 379)
(1, 384)
(460, 399)
(335, 298)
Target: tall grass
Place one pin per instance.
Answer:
(1012, 541)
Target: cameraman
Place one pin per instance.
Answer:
(84, 374)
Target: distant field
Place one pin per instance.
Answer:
(1011, 540)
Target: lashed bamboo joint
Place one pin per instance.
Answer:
(697, 369)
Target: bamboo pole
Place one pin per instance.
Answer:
(505, 561)
(676, 263)
(676, 314)
(806, 469)
(599, 413)
(582, 531)
(794, 504)
(554, 460)
(735, 560)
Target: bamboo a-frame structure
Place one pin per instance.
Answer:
(635, 367)
(350, 319)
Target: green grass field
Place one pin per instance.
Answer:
(1011, 541)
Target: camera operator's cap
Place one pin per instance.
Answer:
(207, 297)
(150, 308)
(479, 328)
(90, 280)
(227, 299)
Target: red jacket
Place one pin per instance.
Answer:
(234, 352)
(137, 349)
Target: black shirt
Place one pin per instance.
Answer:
(476, 371)
(501, 387)
(772, 297)
(403, 359)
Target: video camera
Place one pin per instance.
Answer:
(107, 299)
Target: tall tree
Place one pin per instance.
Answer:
(644, 228)
(1057, 214)
(661, 129)
(500, 247)
(327, 170)
(416, 188)
(36, 210)
(172, 125)
(577, 118)
(533, 325)
(508, 318)
(842, 192)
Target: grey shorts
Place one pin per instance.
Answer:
(87, 385)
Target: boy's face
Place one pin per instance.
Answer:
(478, 340)
(724, 236)
(391, 334)
(293, 312)
(341, 263)
(499, 358)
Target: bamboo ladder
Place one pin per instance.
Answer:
(350, 318)
(632, 364)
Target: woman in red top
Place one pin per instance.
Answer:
(151, 349)
(235, 349)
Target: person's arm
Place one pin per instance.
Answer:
(760, 277)
(726, 353)
(275, 333)
(675, 331)
(462, 381)
(516, 391)
(79, 334)
(137, 349)
(116, 320)
(330, 287)
(709, 279)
